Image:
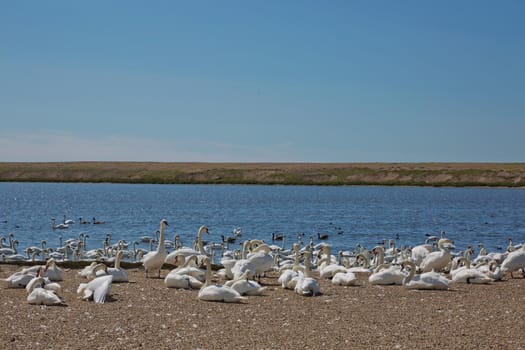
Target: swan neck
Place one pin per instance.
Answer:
(208, 273)
(39, 280)
(160, 246)
(200, 246)
(117, 259)
(411, 273)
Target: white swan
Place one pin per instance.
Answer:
(345, 279)
(307, 285)
(100, 269)
(52, 271)
(514, 261)
(469, 275)
(171, 257)
(327, 269)
(155, 259)
(387, 275)
(288, 277)
(40, 296)
(19, 279)
(492, 270)
(243, 264)
(118, 273)
(261, 258)
(361, 271)
(87, 270)
(97, 289)
(189, 267)
(181, 281)
(59, 226)
(427, 280)
(68, 221)
(438, 260)
(45, 283)
(246, 286)
(215, 292)
(186, 276)
(419, 252)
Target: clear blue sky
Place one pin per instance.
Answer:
(300, 81)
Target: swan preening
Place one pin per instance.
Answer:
(40, 294)
(96, 289)
(187, 276)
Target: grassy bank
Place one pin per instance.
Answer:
(391, 174)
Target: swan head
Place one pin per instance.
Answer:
(164, 222)
(203, 229)
(408, 263)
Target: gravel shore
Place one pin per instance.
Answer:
(145, 314)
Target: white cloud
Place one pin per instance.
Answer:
(53, 146)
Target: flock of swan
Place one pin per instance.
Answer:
(432, 265)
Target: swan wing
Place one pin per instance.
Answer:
(194, 282)
(101, 288)
(175, 280)
(41, 296)
(219, 293)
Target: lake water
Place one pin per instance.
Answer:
(350, 215)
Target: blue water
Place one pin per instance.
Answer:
(364, 215)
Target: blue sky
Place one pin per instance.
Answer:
(252, 81)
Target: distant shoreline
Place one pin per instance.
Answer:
(329, 174)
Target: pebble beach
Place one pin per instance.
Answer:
(144, 314)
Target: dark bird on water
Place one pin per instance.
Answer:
(322, 235)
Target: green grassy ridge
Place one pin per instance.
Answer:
(387, 174)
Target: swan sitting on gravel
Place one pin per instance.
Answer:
(52, 271)
(19, 279)
(44, 282)
(215, 292)
(246, 286)
(427, 280)
(387, 275)
(469, 275)
(438, 260)
(118, 273)
(514, 261)
(37, 295)
(307, 285)
(186, 276)
(97, 289)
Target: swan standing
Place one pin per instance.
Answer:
(155, 259)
